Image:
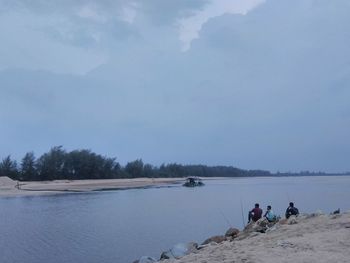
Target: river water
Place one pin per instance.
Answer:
(120, 226)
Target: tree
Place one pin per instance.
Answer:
(174, 170)
(148, 171)
(84, 164)
(28, 170)
(135, 168)
(79, 164)
(50, 165)
(9, 168)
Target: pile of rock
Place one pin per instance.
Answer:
(260, 226)
(145, 260)
(230, 234)
(180, 250)
(251, 230)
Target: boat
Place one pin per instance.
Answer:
(193, 182)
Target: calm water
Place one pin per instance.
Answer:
(120, 226)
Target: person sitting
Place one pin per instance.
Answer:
(270, 215)
(291, 210)
(255, 214)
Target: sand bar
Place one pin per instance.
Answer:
(9, 187)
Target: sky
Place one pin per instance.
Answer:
(256, 84)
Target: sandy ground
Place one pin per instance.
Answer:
(321, 238)
(9, 187)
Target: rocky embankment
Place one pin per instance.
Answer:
(306, 238)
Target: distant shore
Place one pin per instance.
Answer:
(10, 187)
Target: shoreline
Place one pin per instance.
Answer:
(310, 238)
(8, 187)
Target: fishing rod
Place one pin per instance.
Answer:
(288, 196)
(227, 221)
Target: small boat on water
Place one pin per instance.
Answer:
(193, 182)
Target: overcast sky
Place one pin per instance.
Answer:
(249, 83)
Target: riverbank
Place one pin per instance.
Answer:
(10, 187)
(307, 238)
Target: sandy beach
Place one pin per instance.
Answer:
(309, 238)
(9, 187)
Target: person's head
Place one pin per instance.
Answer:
(256, 205)
(291, 204)
(269, 207)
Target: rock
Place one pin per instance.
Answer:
(232, 232)
(346, 225)
(262, 222)
(179, 250)
(243, 235)
(229, 239)
(202, 246)
(260, 229)
(271, 224)
(335, 216)
(166, 255)
(249, 227)
(285, 244)
(145, 260)
(261, 225)
(319, 212)
(283, 221)
(215, 239)
(292, 220)
(307, 216)
(271, 228)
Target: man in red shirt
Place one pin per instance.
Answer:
(255, 214)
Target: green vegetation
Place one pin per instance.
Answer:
(84, 164)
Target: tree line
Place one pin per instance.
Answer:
(59, 164)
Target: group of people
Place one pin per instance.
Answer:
(256, 213)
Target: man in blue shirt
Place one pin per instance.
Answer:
(270, 215)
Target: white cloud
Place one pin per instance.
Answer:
(99, 14)
(28, 46)
(129, 13)
(190, 27)
(89, 11)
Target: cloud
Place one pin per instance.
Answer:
(29, 43)
(88, 11)
(129, 12)
(78, 36)
(268, 89)
(70, 37)
(190, 27)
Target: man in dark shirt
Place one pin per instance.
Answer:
(291, 210)
(255, 214)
